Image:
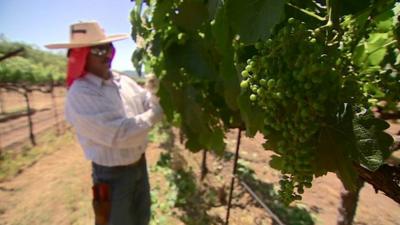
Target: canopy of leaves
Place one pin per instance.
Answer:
(32, 66)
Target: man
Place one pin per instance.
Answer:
(112, 116)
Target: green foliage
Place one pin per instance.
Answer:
(294, 214)
(254, 20)
(297, 71)
(196, 85)
(372, 142)
(180, 191)
(32, 66)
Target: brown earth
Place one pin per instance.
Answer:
(17, 130)
(56, 189)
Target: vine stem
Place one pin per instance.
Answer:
(307, 12)
(233, 175)
(383, 46)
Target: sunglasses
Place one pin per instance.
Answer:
(101, 50)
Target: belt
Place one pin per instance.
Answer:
(141, 159)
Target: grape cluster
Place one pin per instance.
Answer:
(294, 79)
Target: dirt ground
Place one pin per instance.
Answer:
(46, 116)
(56, 189)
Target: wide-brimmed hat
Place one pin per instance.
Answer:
(85, 34)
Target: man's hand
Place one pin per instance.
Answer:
(152, 83)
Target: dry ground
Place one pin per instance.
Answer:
(56, 189)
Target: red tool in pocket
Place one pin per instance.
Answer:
(101, 203)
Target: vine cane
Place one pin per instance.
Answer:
(233, 176)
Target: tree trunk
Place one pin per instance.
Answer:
(28, 109)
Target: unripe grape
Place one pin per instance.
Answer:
(259, 45)
(271, 83)
(294, 85)
(244, 84)
(249, 68)
(253, 97)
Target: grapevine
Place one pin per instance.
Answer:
(295, 80)
(306, 74)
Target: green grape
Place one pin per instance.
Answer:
(253, 97)
(294, 100)
(259, 45)
(271, 83)
(263, 82)
(244, 84)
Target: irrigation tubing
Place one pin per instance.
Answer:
(258, 199)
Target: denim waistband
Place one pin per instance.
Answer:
(142, 158)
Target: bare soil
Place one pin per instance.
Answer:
(56, 189)
(46, 116)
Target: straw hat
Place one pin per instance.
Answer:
(85, 34)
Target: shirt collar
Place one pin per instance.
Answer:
(99, 82)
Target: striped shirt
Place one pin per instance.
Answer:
(111, 118)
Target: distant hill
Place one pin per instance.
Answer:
(130, 73)
(134, 75)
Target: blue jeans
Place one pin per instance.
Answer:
(130, 192)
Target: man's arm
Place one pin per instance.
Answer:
(94, 118)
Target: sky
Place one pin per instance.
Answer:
(41, 22)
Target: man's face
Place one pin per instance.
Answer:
(99, 59)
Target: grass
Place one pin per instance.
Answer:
(178, 196)
(14, 160)
(19, 109)
(63, 194)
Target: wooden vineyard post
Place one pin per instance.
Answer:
(30, 123)
(235, 162)
(2, 110)
(1, 142)
(53, 99)
(54, 103)
(204, 169)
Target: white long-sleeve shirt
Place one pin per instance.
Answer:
(111, 118)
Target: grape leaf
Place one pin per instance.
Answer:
(159, 16)
(371, 51)
(201, 134)
(337, 147)
(190, 14)
(137, 58)
(212, 7)
(385, 21)
(194, 58)
(223, 39)
(372, 142)
(254, 20)
(276, 162)
(354, 6)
